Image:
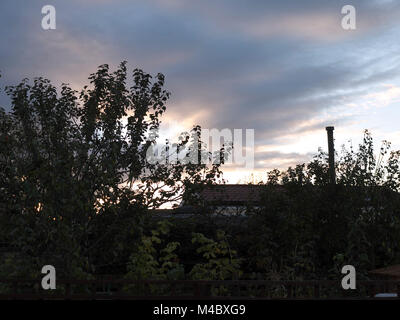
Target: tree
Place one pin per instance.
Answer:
(307, 228)
(75, 174)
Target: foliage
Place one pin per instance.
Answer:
(154, 260)
(77, 189)
(308, 229)
(149, 263)
(76, 184)
(220, 260)
(157, 259)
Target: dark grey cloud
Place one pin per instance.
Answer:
(266, 65)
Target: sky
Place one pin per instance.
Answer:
(286, 69)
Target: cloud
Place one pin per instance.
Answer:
(284, 68)
(277, 159)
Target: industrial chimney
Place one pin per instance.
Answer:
(331, 149)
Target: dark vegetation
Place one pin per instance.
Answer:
(76, 189)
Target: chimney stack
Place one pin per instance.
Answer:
(331, 149)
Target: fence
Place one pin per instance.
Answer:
(111, 289)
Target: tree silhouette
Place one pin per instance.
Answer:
(75, 176)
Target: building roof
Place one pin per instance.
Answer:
(392, 272)
(234, 194)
